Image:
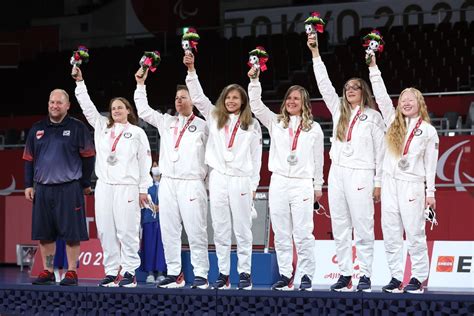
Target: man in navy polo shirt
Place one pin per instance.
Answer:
(59, 159)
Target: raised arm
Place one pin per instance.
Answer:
(318, 154)
(380, 92)
(256, 152)
(200, 101)
(378, 135)
(325, 86)
(88, 108)
(145, 112)
(261, 111)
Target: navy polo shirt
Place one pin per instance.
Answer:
(56, 150)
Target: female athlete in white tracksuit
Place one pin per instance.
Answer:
(355, 174)
(182, 194)
(296, 161)
(234, 152)
(409, 165)
(123, 169)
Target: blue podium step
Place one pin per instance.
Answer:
(264, 268)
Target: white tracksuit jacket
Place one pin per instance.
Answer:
(117, 208)
(231, 183)
(182, 194)
(291, 195)
(352, 179)
(403, 192)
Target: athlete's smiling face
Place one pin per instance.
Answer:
(183, 103)
(353, 92)
(409, 104)
(119, 111)
(233, 101)
(294, 103)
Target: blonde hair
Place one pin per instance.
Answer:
(221, 114)
(366, 101)
(306, 115)
(398, 129)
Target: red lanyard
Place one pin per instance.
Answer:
(114, 145)
(191, 118)
(297, 135)
(410, 138)
(349, 133)
(234, 132)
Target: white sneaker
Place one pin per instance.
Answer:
(150, 278)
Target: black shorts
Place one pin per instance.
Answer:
(58, 212)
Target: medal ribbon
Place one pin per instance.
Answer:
(234, 132)
(296, 136)
(349, 133)
(114, 145)
(185, 127)
(412, 134)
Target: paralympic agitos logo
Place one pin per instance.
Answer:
(458, 174)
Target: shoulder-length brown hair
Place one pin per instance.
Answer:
(366, 101)
(131, 117)
(398, 129)
(222, 115)
(306, 115)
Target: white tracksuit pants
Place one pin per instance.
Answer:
(403, 205)
(184, 202)
(350, 193)
(291, 203)
(117, 214)
(231, 202)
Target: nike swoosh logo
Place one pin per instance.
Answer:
(242, 194)
(129, 201)
(306, 199)
(358, 189)
(77, 208)
(411, 200)
(190, 200)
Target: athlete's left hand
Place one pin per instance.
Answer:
(376, 194)
(143, 199)
(430, 201)
(87, 191)
(317, 195)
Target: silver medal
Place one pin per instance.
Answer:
(348, 150)
(112, 159)
(403, 164)
(292, 159)
(174, 156)
(228, 156)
